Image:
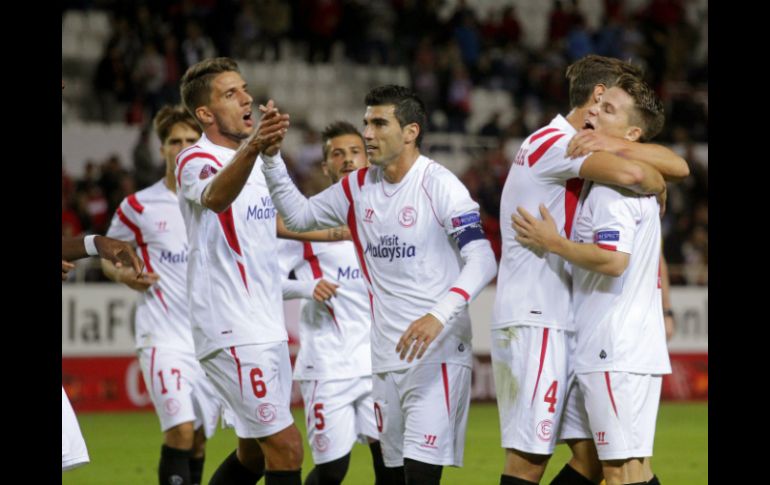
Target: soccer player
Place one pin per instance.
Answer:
(615, 251)
(233, 278)
(73, 447)
(532, 327)
(184, 399)
(424, 256)
(334, 363)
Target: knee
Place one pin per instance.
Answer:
(283, 450)
(180, 436)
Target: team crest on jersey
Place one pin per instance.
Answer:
(162, 226)
(545, 429)
(171, 406)
(321, 442)
(207, 171)
(368, 215)
(407, 216)
(266, 413)
(607, 236)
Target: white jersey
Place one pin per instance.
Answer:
(333, 335)
(403, 237)
(151, 221)
(619, 321)
(533, 289)
(233, 279)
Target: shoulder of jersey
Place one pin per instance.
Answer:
(541, 142)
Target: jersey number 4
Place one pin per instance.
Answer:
(550, 397)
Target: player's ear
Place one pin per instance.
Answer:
(325, 167)
(411, 132)
(204, 115)
(633, 133)
(599, 90)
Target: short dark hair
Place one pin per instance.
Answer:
(335, 129)
(647, 112)
(168, 116)
(591, 70)
(196, 82)
(408, 107)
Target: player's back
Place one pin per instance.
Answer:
(533, 289)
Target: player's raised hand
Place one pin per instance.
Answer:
(536, 234)
(66, 267)
(324, 290)
(272, 128)
(418, 336)
(588, 141)
(120, 253)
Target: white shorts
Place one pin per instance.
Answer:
(179, 389)
(617, 409)
(73, 447)
(337, 413)
(255, 383)
(422, 413)
(532, 373)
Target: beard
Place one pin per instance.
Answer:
(231, 132)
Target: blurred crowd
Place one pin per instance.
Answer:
(151, 44)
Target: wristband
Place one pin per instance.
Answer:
(90, 245)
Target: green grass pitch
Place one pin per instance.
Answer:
(125, 448)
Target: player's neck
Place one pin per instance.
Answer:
(222, 140)
(397, 170)
(170, 181)
(577, 117)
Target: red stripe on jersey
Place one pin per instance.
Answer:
(190, 157)
(143, 247)
(607, 247)
(543, 148)
(315, 266)
(542, 359)
(134, 228)
(371, 304)
(461, 292)
(238, 366)
(152, 369)
(571, 196)
(312, 260)
(609, 390)
(334, 317)
(133, 202)
(540, 134)
(354, 227)
(228, 226)
(362, 176)
(446, 387)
